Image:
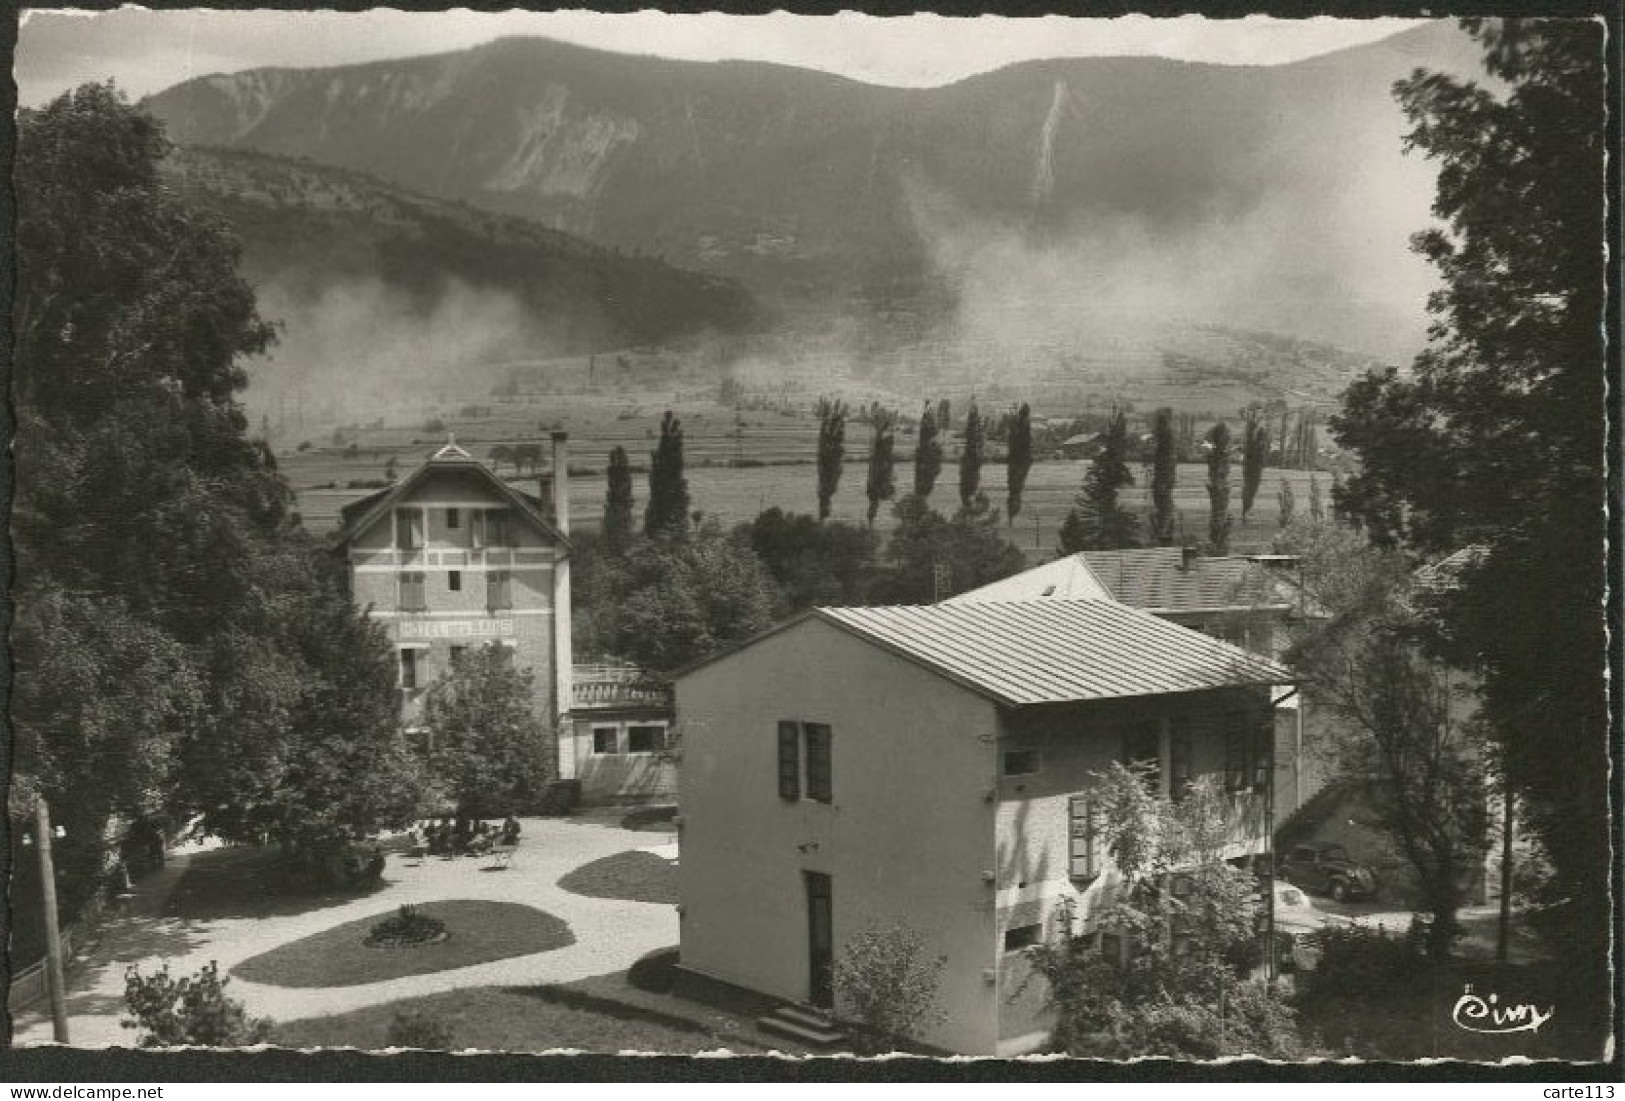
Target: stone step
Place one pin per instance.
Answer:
(806, 1016)
(812, 1035)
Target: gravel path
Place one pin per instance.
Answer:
(610, 934)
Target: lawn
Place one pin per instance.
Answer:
(631, 876)
(480, 932)
(250, 881)
(1416, 1021)
(526, 1019)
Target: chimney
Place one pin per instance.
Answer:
(563, 656)
(561, 481)
(1187, 558)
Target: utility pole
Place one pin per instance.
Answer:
(53, 935)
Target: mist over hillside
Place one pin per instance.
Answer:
(381, 293)
(1070, 205)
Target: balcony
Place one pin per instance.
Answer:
(454, 558)
(609, 687)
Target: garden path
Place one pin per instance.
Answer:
(610, 934)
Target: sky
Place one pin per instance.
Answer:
(147, 51)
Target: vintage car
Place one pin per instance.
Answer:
(1324, 868)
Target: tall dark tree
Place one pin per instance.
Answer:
(666, 515)
(179, 645)
(970, 548)
(1317, 501)
(1220, 519)
(1018, 459)
(1255, 450)
(1098, 521)
(927, 454)
(882, 484)
(831, 451)
(1288, 502)
(1164, 476)
(972, 453)
(1495, 438)
(812, 563)
(618, 503)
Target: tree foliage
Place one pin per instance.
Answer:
(488, 747)
(831, 451)
(667, 603)
(882, 484)
(1097, 520)
(1288, 503)
(180, 644)
(1164, 476)
(927, 454)
(666, 515)
(1495, 437)
(1403, 737)
(189, 1012)
(618, 503)
(1183, 917)
(1220, 519)
(1255, 451)
(972, 453)
(1018, 459)
(971, 548)
(812, 563)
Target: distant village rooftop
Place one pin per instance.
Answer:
(1165, 580)
(1027, 652)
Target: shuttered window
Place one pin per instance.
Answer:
(498, 590)
(409, 528)
(409, 670)
(411, 592)
(819, 762)
(1246, 753)
(789, 760)
(1085, 853)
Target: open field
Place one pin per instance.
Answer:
(717, 440)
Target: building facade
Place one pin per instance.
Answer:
(452, 557)
(623, 737)
(864, 766)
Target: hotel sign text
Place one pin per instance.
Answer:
(455, 628)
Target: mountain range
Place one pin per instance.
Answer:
(1277, 198)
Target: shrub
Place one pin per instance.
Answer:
(889, 984)
(189, 1012)
(1368, 961)
(406, 926)
(416, 1029)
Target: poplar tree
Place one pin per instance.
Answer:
(971, 454)
(1164, 475)
(927, 454)
(666, 515)
(618, 503)
(831, 451)
(1218, 489)
(1018, 459)
(882, 483)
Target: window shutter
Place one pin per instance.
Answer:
(1085, 860)
(820, 763)
(789, 761)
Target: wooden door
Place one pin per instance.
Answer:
(820, 941)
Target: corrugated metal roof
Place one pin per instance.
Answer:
(1057, 651)
(1156, 578)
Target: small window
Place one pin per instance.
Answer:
(1021, 762)
(1085, 852)
(454, 581)
(498, 590)
(1022, 936)
(411, 592)
(645, 739)
(820, 763)
(409, 670)
(454, 519)
(605, 740)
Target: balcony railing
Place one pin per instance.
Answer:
(453, 558)
(611, 686)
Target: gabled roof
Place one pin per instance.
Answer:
(358, 516)
(1066, 578)
(1022, 653)
(1156, 579)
